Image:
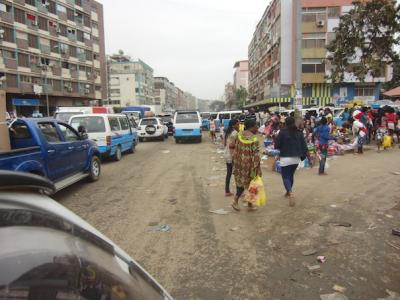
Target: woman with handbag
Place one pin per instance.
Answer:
(293, 149)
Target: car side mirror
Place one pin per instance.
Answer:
(84, 136)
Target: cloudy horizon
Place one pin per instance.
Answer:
(194, 44)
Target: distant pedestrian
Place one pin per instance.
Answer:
(246, 160)
(229, 143)
(213, 129)
(293, 149)
(323, 134)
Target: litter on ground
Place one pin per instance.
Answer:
(220, 211)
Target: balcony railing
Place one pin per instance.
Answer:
(45, 49)
(22, 44)
(6, 17)
(10, 63)
(26, 87)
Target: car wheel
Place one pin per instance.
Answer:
(118, 154)
(176, 141)
(95, 169)
(141, 140)
(132, 148)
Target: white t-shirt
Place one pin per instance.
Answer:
(288, 161)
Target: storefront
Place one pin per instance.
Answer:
(25, 107)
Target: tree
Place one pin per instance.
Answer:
(365, 40)
(241, 96)
(395, 82)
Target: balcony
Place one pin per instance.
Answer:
(32, 24)
(22, 44)
(45, 49)
(88, 43)
(74, 74)
(41, 7)
(56, 71)
(313, 77)
(72, 37)
(62, 16)
(20, 2)
(36, 69)
(10, 63)
(26, 87)
(64, 54)
(47, 88)
(79, 22)
(53, 31)
(6, 17)
(314, 52)
(312, 27)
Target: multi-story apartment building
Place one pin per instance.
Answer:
(166, 93)
(241, 74)
(130, 81)
(272, 56)
(229, 96)
(51, 49)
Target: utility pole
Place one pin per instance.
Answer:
(299, 58)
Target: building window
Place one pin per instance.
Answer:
(52, 7)
(364, 91)
(63, 29)
(86, 36)
(54, 46)
(11, 80)
(70, 14)
(334, 12)
(65, 65)
(86, 20)
(313, 17)
(57, 85)
(33, 41)
(43, 23)
(88, 55)
(19, 16)
(72, 51)
(115, 92)
(5, 8)
(64, 49)
(61, 9)
(95, 25)
(30, 2)
(73, 67)
(9, 54)
(8, 35)
(79, 36)
(313, 68)
(24, 78)
(310, 43)
(23, 60)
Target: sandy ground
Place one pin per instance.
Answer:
(201, 257)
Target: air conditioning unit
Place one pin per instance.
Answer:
(87, 86)
(87, 91)
(34, 23)
(69, 89)
(58, 30)
(320, 23)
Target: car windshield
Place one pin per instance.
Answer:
(166, 119)
(65, 116)
(146, 122)
(189, 117)
(90, 123)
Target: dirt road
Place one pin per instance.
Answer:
(201, 257)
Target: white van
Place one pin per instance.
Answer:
(64, 113)
(113, 133)
(187, 125)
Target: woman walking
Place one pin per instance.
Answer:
(246, 160)
(293, 149)
(229, 143)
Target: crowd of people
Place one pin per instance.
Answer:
(300, 139)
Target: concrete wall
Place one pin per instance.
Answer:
(286, 41)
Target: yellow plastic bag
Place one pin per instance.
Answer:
(255, 194)
(387, 142)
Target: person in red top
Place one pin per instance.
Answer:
(391, 118)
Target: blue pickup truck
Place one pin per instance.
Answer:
(52, 149)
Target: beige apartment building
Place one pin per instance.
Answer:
(51, 49)
(130, 81)
(241, 74)
(272, 56)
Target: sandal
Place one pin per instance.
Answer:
(235, 206)
(291, 200)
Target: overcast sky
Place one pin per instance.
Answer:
(192, 42)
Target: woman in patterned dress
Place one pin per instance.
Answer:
(247, 160)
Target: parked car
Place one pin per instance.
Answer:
(113, 133)
(48, 252)
(167, 120)
(64, 113)
(187, 126)
(152, 128)
(52, 149)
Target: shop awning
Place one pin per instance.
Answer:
(393, 93)
(25, 102)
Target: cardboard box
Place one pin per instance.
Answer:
(4, 135)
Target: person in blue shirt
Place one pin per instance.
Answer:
(323, 134)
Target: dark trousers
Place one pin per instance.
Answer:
(229, 169)
(239, 191)
(324, 153)
(288, 177)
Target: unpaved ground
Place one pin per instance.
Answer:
(202, 258)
